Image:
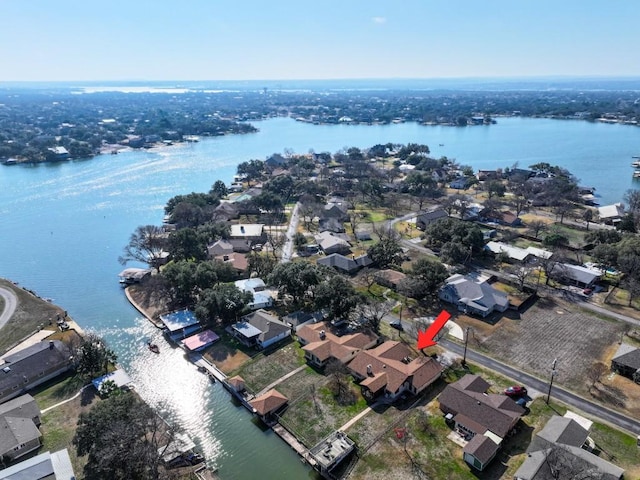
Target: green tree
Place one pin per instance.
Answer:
(495, 188)
(338, 296)
(454, 230)
(120, 436)
(185, 244)
(253, 170)
(299, 240)
(180, 278)
(219, 189)
(224, 301)
(260, 264)
(386, 253)
(93, 357)
(587, 216)
(431, 274)
(297, 279)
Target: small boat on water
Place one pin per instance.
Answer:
(636, 164)
(636, 174)
(153, 347)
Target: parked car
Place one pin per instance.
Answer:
(588, 291)
(397, 325)
(515, 391)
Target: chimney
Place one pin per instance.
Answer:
(50, 344)
(322, 334)
(369, 370)
(241, 228)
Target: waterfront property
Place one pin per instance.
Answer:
(134, 275)
(119, 377)
(391, 369)
(331, 451)
(267, 405)
(33, 366)
(257, 288)
(200, 340)
(19, 422)
(46, 466)
(180, 324)
(484, 419)
(260, 329)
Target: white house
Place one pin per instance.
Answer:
(257, 287)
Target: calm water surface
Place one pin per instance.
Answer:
(63, 227)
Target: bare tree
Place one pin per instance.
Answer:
(562, 464)
(537, 227)
(595, 373)
(373, 311)
(340, 383)
(146, 245)
(520, 274)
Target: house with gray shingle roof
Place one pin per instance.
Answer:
(19, 422)
(577, 275)
(472, 296)
(626, 362)
(559, 451)
(32, 366)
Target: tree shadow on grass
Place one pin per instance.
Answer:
(88, 395)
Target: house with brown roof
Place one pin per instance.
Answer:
(476, 413)
(389, 278)
(390, 369)
(320, 345)
(268, 404)
(238, 261)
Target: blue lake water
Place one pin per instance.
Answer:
(64, 225)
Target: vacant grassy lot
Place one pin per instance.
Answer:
(313, 412)
(32, 313)
(549, 329)
(268, 367)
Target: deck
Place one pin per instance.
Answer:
(293, 442)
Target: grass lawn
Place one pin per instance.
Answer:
(32, 314)
(57, 390)
(267, 367)
(313, 413)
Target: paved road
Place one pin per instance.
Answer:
(287, 250)
(612, 417)
(618, 419)
(10, 304)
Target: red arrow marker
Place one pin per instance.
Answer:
(425, 339)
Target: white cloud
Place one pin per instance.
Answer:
(379, 20)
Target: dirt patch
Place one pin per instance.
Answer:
(226, 357)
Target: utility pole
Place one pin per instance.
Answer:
(553, 374)
(466, 341)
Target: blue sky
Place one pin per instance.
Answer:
(286, 39)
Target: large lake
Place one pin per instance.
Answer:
(64, 225)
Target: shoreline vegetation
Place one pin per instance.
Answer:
(33, 130)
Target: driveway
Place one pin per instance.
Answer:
(287, 251)
(10, 304)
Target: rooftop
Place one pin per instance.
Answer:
(178, 320)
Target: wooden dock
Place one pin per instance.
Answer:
(294, 443)
(212, 370)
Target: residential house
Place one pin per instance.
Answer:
(345, 264)
(611, 214)
(336, 210)
(260, 329)
(472, 296)
(391, 369)
(425, 219)
(19, 422)
(32, 366)
(332, 243)
(238, 261)
(46, 466)
(246, 231)
(266, 406)
(132, 275)
(321, 345)
(257, 287)
(476, 413)
(461, 183)
(220, 247)
(507, 217)
(483, 175)
(59, 153)
(389, 278)
(560, 450)
(516, 253)
(226, 211)
(582, 277)
(331, 225)
(118, 377)
(276, 160)
(626, 362)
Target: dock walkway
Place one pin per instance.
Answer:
(201, 362)
(294, 443)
